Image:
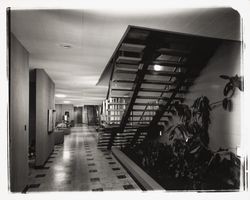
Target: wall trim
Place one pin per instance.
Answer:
(144, 181)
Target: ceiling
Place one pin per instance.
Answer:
(93, 36)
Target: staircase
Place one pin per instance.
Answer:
(150, 70)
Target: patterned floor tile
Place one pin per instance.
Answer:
(72, 168)
(128, 187)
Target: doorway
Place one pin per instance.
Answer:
(78, 115)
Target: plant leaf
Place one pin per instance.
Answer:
(227, 88)
(224, 103)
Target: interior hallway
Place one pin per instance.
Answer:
(78, 165)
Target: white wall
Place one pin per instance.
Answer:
(225, 128)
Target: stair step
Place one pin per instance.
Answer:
(132, 47)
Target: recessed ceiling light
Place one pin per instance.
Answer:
(66, 101)
(158, 67)
(79, 105)
(60, 95)
(66, 46)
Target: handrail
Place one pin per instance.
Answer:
(148, 104)
(179, 61)
(175, 69)
(143, 113)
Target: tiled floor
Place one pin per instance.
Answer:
(78, 165)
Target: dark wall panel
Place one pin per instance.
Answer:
(58, 113)
(78, 114)
(19, 115)
(92, 115)
(32, 110)
(45, 100)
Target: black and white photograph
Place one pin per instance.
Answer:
(132, 99)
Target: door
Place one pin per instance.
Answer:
(78, 115)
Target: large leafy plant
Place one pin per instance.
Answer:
(194, 121)
(187, 158)
(192, 159)
(189, 140)
(223, 170)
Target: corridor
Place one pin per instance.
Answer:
(78, 165)
(124, 100)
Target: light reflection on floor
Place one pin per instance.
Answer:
(79, 166)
